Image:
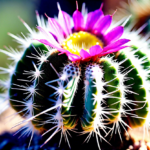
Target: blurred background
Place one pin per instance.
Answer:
(9, 22)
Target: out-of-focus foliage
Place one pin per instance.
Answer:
(139, 11)
(9, 21)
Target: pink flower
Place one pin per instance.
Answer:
(72, 40)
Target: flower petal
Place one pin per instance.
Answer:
(73, 57)
(56, 29)
(113, 50)
(49, 44)
(102, 24)
(65, 21)
(114, 34)
(68, 21)
(92, 18)
(48, 37)
(116, 44)
(84, 54)
(78, 20)
(95, 50)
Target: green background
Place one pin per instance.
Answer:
(9, 22)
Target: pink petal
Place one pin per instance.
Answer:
(65, 21)
(102, 24)
(114, 34)
(56, 29)
(113, 50)
(68, 21)
(116, 44)
(92, 18)
(49, 44)
(48, 36)
(95, 50)
(63, 51)
(73, 57)
(84, 54)
(78, 20)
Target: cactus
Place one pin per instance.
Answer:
(91, 78)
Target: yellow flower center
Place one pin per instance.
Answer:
(81, 40)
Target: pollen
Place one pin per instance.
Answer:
(81, 40)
